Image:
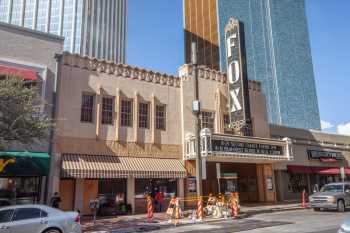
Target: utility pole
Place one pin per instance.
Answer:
(196, 108)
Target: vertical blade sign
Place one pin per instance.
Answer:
(237, 78)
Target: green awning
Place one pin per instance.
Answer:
(24, 163)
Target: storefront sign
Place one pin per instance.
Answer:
(326, 156)
(269, 183)
(5, 162)
(191, 184)
(232, 146)
(24, 163)
(236, 73)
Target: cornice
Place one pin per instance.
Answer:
(186, 73)
(119, 70)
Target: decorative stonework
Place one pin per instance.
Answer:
(125, 71)
(186, 73)
(103, 147)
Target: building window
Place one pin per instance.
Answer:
(29, 13)
(87, 106)
(42, 15)
(107, 110)
(160, 117)
(143, 115)
(126, 113)
(207, 120)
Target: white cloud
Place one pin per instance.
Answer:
(326, 125)
(343, 128)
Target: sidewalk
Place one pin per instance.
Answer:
(261, 208)
(139, 223)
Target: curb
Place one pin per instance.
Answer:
(255, 212)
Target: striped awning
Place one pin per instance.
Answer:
(107, 166)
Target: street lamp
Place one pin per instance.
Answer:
(196, 108)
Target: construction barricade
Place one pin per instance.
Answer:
(234, 204)
(149, 208)
(206, 207)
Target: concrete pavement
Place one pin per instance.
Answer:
(256, 219)
(301, 221)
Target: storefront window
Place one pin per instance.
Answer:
(112, 195)
(150, 186)
(297, 183)
(113, 190)
(20, 190)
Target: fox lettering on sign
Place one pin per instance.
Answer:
(236, 73)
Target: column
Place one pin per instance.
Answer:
(181, 190)
(42, 189)
(79, 195)
(117, 114)
(130, 199)
(54, 178)
(98, 112)
(309, 189)
(135, 116)
(218, 113)
(153, 119)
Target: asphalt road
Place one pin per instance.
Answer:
(301, 221)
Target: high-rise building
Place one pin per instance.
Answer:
(277, 51)
(90, 27)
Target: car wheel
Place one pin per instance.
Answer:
(317, 209)
(341, 206)
(52, 231)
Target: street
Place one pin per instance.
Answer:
(306, 221)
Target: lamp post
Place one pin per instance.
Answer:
(196, 108)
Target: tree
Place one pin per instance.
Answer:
(21, 115)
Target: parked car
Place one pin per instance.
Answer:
(331, 196)
(345, 226)
(5, 202)
(38, 219)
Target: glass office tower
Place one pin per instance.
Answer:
(90, 27)
(278, 52)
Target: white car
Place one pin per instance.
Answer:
(345, 226)
(38, 219)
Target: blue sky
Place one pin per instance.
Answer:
(155, 41)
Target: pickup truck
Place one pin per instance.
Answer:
(331, 196)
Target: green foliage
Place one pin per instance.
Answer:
(21, 117)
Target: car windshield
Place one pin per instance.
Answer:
(332, 188)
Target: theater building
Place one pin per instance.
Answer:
(118, 135)
(124, 131)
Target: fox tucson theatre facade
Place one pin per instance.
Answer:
(237, 154)
(125, 132)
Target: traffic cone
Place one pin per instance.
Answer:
(200, 212)
(149, 208)
(303, 199)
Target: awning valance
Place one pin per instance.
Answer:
(26, 74)
(24, 163)
(316, 170)
(109, 166)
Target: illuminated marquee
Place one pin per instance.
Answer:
(236, 73)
